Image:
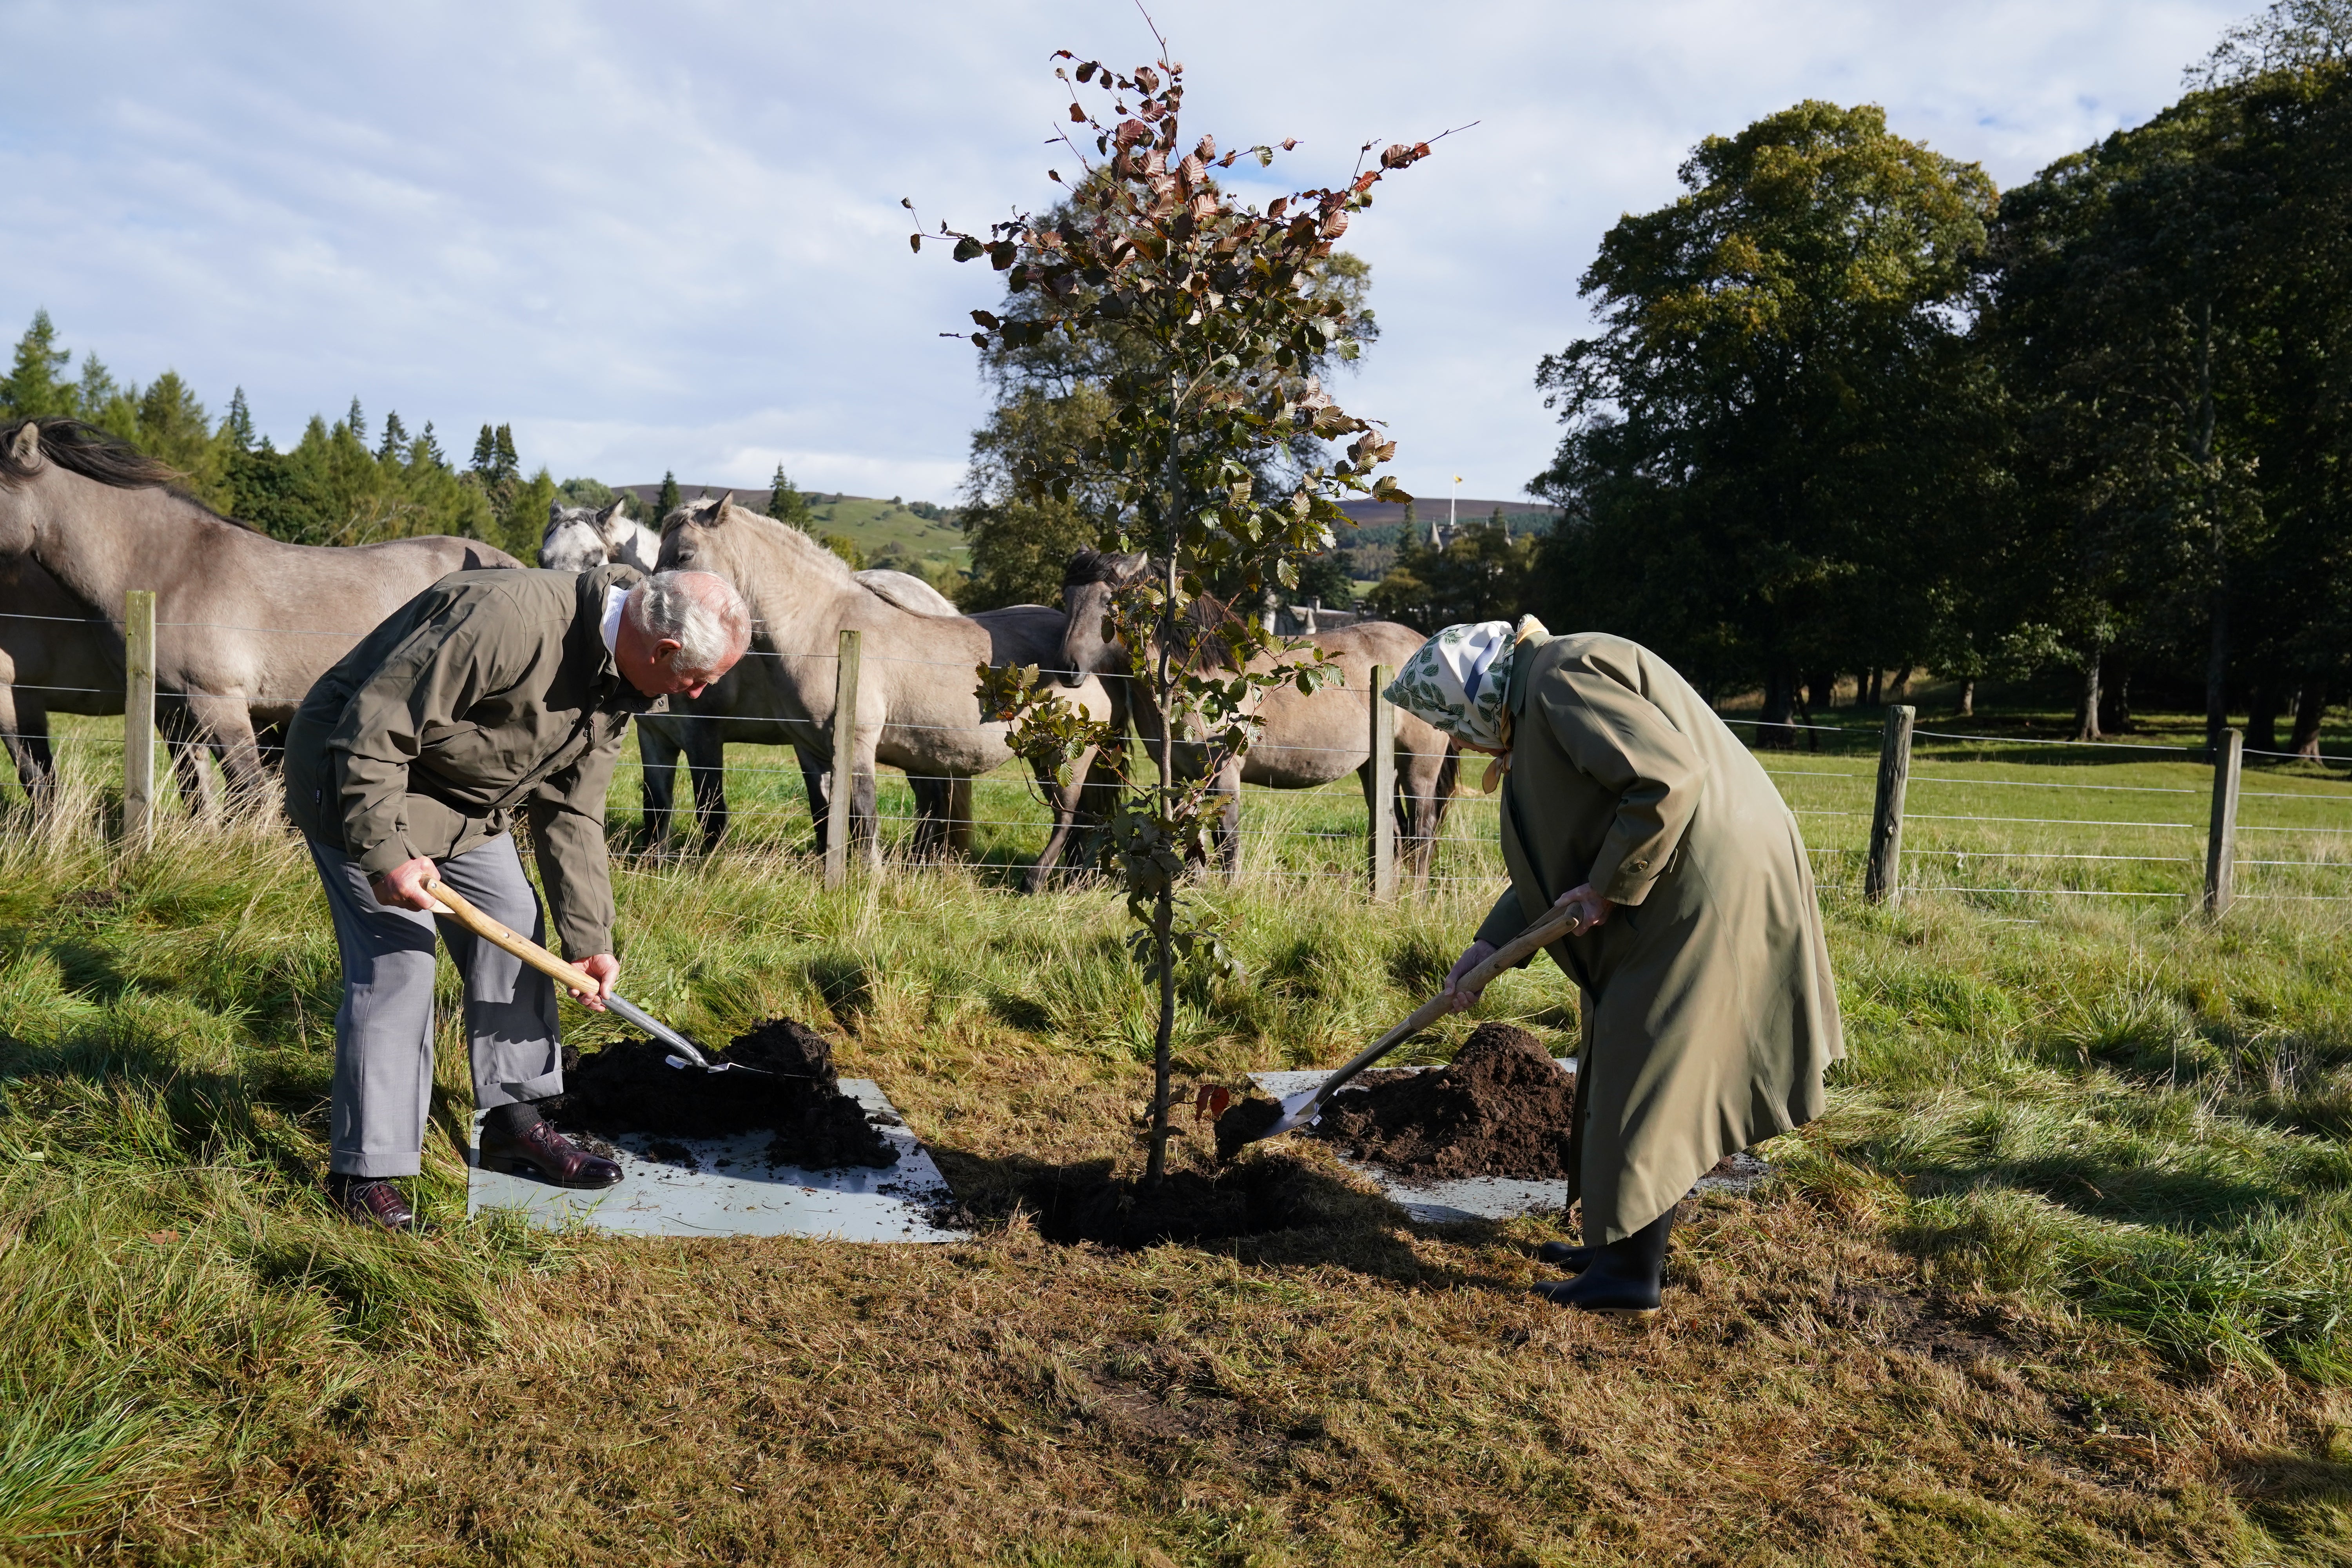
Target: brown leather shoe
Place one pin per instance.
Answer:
(548, 1152)
(370, 1200)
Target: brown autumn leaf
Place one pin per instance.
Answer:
(1078, 115)
(1211, 1101)
(1290, 143)
(915, 243)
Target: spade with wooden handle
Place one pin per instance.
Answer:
(578, 980)
(1303, 1106)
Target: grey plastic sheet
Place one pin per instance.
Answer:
(729, 1188)
(1489, 1197)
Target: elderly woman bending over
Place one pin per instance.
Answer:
(1713, 1015)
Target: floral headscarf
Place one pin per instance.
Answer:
(1457, 681)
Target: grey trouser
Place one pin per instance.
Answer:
(383, 1030)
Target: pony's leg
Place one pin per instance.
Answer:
(958, 818)
(190, 750)
(25, 729)
(933, 806)
(226, 722)
(1067, 800)
(817, 779)
(706, 764)
(657, 751)
(862, 827)
(1229, 819)
(1424, 780)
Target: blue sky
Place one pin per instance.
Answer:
(668, 237)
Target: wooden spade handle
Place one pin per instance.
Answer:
(522, 947)
(1559, 923)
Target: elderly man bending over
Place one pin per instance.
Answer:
(488, 694)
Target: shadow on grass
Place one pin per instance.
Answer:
(1271, 1210)
(153, 1104)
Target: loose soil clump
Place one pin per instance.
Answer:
(1087, 1202)
(1501, 1107)
(630, 1088)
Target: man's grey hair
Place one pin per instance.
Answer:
(702, 613)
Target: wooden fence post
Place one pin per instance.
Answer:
(2221, 835)
(1383, 791)
(837, 818)
(137, 719)
(1882, 880)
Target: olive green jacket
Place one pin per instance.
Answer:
(1714, 1015)
(488, 692)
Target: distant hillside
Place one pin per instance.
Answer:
(890, 531)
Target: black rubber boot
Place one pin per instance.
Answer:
(1621, 1278)
(1566, 1255)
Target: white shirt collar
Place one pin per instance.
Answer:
(614, 598)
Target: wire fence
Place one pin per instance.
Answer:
(2118, 820)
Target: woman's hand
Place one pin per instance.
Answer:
(1477, 954)
(1595, 907)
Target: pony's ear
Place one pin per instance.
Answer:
(24, 451)
(554, 512)
(618, 509)
(724, 502)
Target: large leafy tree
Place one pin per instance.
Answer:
(1780, 424)
(1204, 315)
(1052, 404)
(2170, 316)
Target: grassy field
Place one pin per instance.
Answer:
(2062, 1277)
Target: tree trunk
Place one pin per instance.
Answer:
(1774, 731)
(1902, 684)
(1163, 914)
(2086, 717)
(2114, 701)
(2217, 660)
(2262, 715)
(2310, 710)
(1876, 674)
(1968, 698)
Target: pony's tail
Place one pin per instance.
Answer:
(1449, 778)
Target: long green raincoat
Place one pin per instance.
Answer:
(1714, 1015)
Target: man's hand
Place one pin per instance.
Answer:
(605, 970)
(403, 887)
(1595, 911)
(1477, 954)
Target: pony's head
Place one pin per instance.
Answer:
(33, 450)
(1088, 583)
(717, 535)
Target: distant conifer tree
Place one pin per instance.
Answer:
(670, 500)
(32, 390)
(785, 503)
(237, 425)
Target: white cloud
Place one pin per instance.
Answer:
(669, 238)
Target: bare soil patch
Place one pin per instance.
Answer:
(796, 1093)
(1503, 1106)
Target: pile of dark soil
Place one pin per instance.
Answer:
(1087, 1202)
(630, 1088)
(1502, 1107)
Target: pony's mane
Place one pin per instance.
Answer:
(85, 449)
